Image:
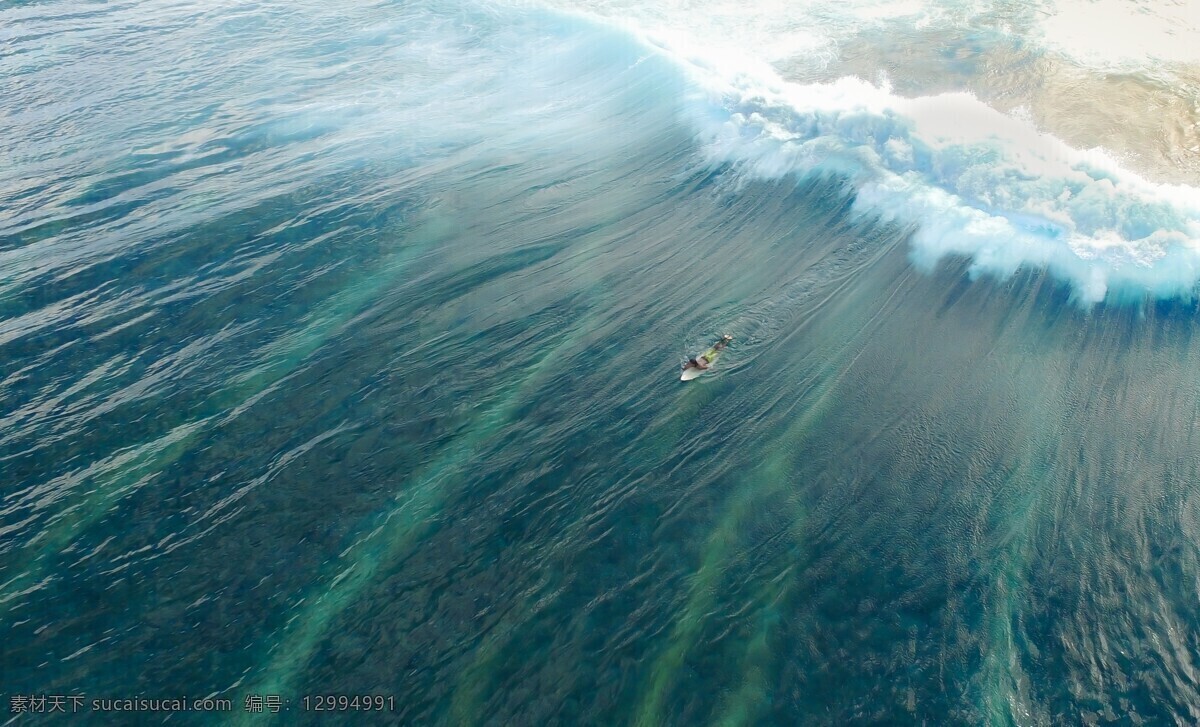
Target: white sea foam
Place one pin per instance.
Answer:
(1123, 34)
(973, 181)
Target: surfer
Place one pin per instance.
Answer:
(701, 362)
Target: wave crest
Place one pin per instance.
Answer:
(974, 181)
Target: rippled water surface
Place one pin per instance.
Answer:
(339, 353)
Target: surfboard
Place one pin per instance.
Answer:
(692, 372)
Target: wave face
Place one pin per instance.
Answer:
(976, 183)
(339, 354)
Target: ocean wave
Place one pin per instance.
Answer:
(993, 186)
(973, 181)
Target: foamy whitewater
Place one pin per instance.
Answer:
(340, 348)
(972, 180)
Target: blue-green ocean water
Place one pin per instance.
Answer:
(339, 352)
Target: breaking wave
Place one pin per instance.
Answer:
(972, 180)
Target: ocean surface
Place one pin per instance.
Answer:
(340, 350)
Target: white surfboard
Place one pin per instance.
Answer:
(692, 372)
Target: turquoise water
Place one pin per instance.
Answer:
(339, 354)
